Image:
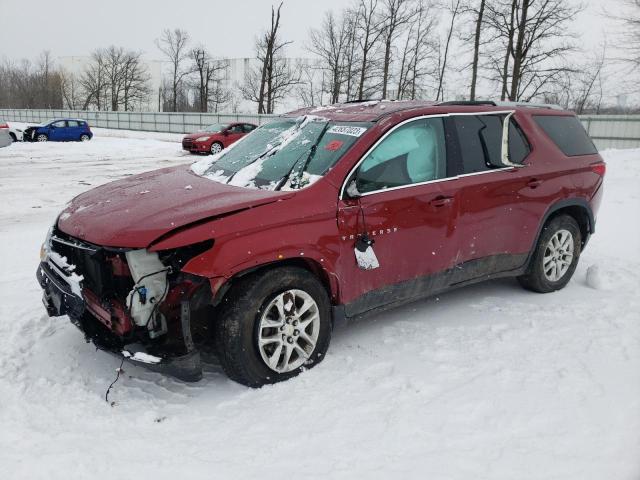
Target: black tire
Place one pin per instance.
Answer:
(237, 321)
(13, 137)
(535, 278)
(84, 138)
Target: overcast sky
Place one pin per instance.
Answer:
(226, 28)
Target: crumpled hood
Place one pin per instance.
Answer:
(133, 212)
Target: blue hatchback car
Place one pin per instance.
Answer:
(59, 130)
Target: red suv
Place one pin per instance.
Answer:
(317, 217)
(214, 138)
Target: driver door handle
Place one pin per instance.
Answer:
(440, 201)
(534, 183)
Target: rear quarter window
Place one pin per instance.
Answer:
(567, 133)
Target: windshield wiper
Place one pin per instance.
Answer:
(312, 153)
(262, 155)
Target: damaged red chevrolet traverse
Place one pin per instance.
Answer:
(319, 216)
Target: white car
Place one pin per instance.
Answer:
(14, 133)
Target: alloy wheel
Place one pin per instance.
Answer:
(558, 255)
(215, 148)
(288, 330)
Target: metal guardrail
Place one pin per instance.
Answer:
(166, 122)
(607, 131)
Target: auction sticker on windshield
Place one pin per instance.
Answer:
(347, 130)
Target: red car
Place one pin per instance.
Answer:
(318, 217)
(214, 138)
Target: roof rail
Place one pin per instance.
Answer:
(469, 102)
(502, 104)
(552, 106)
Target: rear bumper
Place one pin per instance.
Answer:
(59, 299)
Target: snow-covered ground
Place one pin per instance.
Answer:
(489, 381)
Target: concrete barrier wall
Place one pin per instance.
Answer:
(140, 121)
(607, 131)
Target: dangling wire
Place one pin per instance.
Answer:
(119, 371)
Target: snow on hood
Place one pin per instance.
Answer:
(133, 212)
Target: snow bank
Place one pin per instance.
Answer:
(489, 381)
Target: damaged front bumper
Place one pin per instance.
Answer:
(61, 298)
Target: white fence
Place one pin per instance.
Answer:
(607, 131)
(142, 121)
(613, 131)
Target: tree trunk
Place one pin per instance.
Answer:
(476, 51)
(454, 14)
(518, 53)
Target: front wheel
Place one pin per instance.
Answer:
(556, 256)
(272, 325)
(216, 147)
(42, 138)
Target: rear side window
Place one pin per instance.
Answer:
(567, 133)
(72, 123)
(480, 138)
(518, 145)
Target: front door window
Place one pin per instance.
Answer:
(414, 153)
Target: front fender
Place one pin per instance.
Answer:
(307, 241)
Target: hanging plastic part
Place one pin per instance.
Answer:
(365, 256)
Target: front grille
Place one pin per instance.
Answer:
(187, 143)
(91, 261)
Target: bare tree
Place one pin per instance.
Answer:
(330, 43)
(535, 37)
(454, 10)
(275, 77)
(476, 49)
(368, 32)
(135, 78)
(629, 35)
(94, 81)
(174, 45)
(71, 91)
(396, 15)
(417, 60)
(208, 73)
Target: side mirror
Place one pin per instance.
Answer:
(352, 190)
(225, 133)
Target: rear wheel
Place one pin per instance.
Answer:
(556, 256)
(85, 138)
(216, 147)
(273, 325)
(42, 138)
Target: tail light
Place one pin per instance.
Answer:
(599, 168)
(4, 125)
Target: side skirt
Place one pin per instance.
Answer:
(409, 291)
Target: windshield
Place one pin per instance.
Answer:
(286, 154)
(214, 128)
